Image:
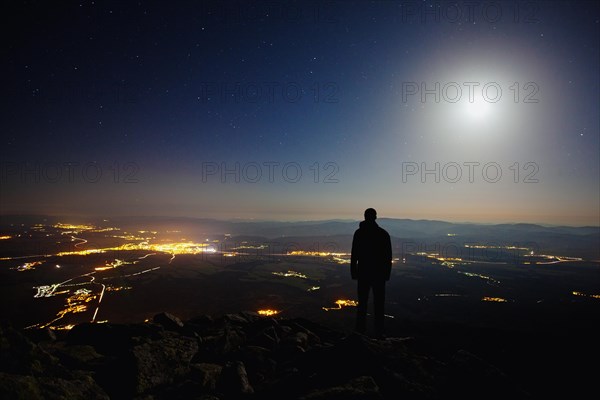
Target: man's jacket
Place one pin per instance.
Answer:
(371, 253)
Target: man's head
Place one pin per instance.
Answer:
(370, 214)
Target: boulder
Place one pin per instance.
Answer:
(113, 339)
(161, 362)
(29, 387)
(206, 374)
(234, 379)
(361, 388)
(20, 355)
(168, 321)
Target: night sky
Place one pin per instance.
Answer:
(302, 110)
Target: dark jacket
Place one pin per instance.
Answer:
(371, 252)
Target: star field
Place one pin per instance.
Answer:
(303, 110)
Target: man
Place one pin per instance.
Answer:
(371, 265)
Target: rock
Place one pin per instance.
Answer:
(398, 385)
(311, 338)
(237, 318)
(83, 387)
(79, 356)
(206, 374)
(473, 377)
(19, 387)
(299, 339)
(257, 358)
(168, 321)
(20, 355)
(242, 318)
(113, 339)
(41, 335)
(317, 332)
(231, 340)
(284, 330)
(162, 361)
(233, 357)
(30, 387)
(234, 379)
(258, 362)
(201, 321)
(361, 388)
(267, 338)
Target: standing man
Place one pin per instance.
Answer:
(371, 265)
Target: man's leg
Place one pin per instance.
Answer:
(361, 312)
(379, 300)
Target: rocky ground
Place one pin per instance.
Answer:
(234, 356)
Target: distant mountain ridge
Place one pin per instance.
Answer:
(581, 241)
(395, 226)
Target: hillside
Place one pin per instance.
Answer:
(235, 356)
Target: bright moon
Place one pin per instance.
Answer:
(477, 109)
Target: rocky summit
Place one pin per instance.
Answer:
(234, 356)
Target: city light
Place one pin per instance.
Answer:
(28, 266)
(267, 312)
(62, 327)
(73, 227)
(342, 303)
(291, 273)
(340, 258)
(494, 299)
(593, 296)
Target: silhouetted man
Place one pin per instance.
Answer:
(371, 265)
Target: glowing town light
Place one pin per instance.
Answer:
(73, 227)
(28, 266)
(268, 312)
(291, 273)
(594, 296)
(342, 303)
(62, 327)
(494, 299)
